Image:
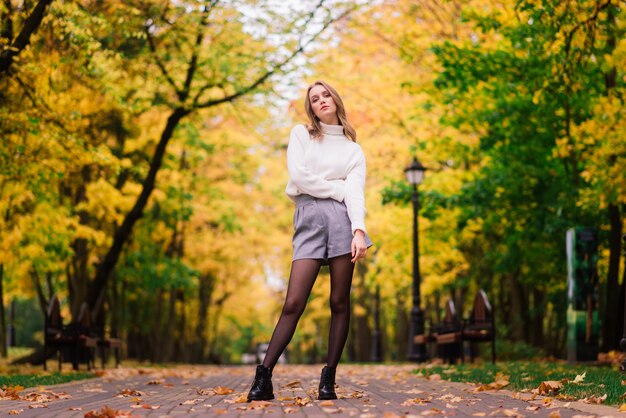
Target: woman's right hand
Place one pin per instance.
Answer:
(359, 246)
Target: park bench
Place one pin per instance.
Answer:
(104, 343)
(426, 337)
(67, 342)
(449, 335)
(480, 326)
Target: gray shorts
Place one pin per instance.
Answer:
(322, 229)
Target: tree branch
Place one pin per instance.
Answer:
(276, 68)
(23, 39)
(193, 63)
(160, 64)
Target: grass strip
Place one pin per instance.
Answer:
(525, 376)
(54, 378)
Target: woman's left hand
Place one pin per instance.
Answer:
(359, 247)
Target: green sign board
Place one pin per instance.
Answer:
(582, 295)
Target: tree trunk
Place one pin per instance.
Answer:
(611, 334)
(205, 290)
(3, 325)
(538, 315)
(402, 330)
(518, 306)
(106, 266)
(79, 280)
(171, 332)
(360, 337)
(610, 337)
(621, 328)
(156, 330)
(182, 344)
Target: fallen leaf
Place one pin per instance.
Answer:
(554, 414)
(130, 392)
(533, 408)
(107, 412)
(622, 408)
(580, 378)
(547, 401)
(12, 392)
(205, 392)
(259, 404)
(221, 390)
(565, 397)
(241, 398)
(479, 414)
(390, 415)
(15, 411)
(434, 377)
(156, 382)
(37, 405)
(549, 387)
(327, 403)
(415, 401)
(502, 376)
(293, 384)
(75, 408)
(595, 399)
(498, 384)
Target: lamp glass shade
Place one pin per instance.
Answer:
(415, 176)
(415, 172)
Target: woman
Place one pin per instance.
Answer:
(326, 181)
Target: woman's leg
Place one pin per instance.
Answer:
(301, 280)
(341, 269)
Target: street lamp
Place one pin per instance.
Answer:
(417, 352)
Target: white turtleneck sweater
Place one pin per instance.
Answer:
(330, 167)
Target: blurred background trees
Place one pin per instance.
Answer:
(143, 164)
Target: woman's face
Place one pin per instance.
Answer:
(323, 104)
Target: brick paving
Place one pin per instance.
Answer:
(365, 392)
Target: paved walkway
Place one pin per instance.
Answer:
(206, 391)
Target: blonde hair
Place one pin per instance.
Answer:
(315, 129)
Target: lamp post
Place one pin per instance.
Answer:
(417, 352)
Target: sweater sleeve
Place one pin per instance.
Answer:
(302, 177)
(355, 194)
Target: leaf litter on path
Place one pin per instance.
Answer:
(500, 382)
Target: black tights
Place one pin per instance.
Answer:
(303, 275)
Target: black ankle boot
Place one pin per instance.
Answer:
(262, 389)
(327, 384)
